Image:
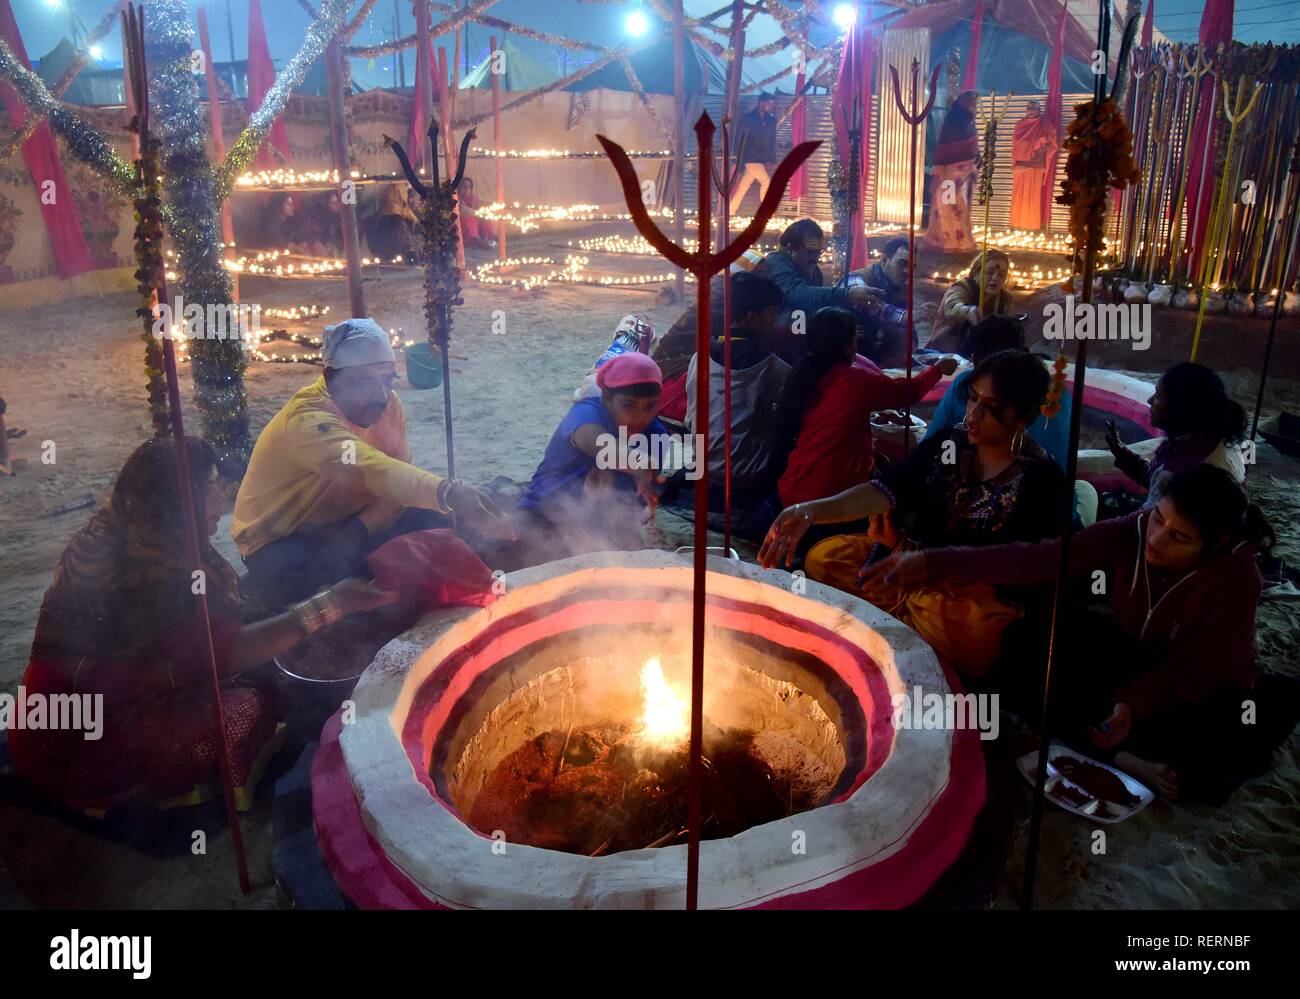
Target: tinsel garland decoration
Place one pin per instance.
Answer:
(82, 141)
(441, 28)
(244, 148)
(664, 128)
(358, 19)
(149, 267)
(180, 122)
(988, 158)
(62, 84)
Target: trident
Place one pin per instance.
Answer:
(438, 202)
(914, 119)
(703, 264)
(1193, 70)
(723, 183)
(1241, 109)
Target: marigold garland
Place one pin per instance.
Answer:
(1100, 156)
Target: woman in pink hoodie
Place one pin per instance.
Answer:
(1166, 677)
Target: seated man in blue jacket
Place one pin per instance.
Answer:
(793, 266)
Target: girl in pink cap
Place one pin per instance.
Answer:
(590, 481)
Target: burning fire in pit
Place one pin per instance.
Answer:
(608, 770)
(666, 718)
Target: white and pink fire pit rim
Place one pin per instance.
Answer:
(901, 813)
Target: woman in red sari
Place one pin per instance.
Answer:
(120, 622)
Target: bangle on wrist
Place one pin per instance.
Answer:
(444, 490)
(318, 611)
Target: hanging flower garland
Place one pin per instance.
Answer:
(1056, 391)
(1099, 149)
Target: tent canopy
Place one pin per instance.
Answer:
(523, 72)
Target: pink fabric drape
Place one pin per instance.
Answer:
(1216, 27)
(1149, 24)
(1053, 112)
(417, 142)
(973, 57)
(853, 94)
(41, 154)
(261, 78)
(798, 132)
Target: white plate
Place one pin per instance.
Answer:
(1028, 765)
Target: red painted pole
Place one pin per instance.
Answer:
(496, 146)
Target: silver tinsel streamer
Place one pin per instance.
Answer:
(179, 121)
(82, 141)
(241, 153)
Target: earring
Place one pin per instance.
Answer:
(1018, 441)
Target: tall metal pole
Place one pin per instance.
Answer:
(339, 146)
(230, 34)
(1067, 516)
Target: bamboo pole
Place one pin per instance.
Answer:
(496, 146)
(340, 149)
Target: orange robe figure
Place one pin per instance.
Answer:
(1032, 143)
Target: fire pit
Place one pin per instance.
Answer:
(532, 753)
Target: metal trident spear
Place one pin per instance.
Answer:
(703, 264)
(441, 281)
(1193, 70)
(914, 119)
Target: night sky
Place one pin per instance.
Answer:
(44, 22)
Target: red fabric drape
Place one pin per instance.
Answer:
(973, 57)
(1149, 24)
(41, 154)
(261, 78)
(1216, 27)
(798, 132)
(854, 81)
(1053, 111)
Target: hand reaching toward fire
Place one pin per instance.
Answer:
(477, 512)
(783, 537)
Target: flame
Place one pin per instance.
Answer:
(665, 717)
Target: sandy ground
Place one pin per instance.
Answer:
(72, 374)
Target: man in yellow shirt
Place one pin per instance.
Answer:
(330, 478)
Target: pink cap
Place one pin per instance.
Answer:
(628, 369)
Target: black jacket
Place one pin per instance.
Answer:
(759, 132)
